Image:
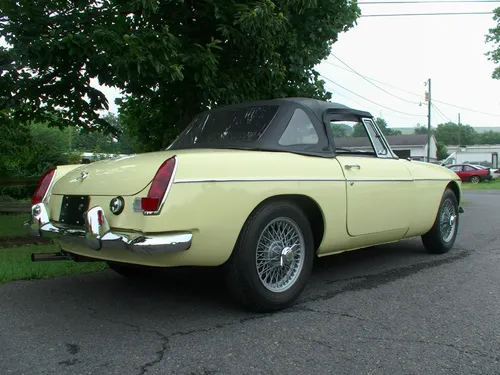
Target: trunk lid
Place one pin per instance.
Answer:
(121, 176)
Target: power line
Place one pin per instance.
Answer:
(423, 14)
(467, 109)
(428, 2)
(376, 80)
(371, 101)
(441, 114)
(335, 92)
(412, 93)
(380, 88)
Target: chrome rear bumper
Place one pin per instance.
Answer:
(96, 234)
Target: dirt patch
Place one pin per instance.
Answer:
(22, 241)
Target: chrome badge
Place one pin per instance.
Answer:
(83, 175)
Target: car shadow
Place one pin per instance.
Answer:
(204, 288)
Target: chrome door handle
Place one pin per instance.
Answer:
(349, 166)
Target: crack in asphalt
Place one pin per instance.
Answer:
(476, 353)
(366, 282)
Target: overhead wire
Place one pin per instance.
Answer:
(380, 88)
(423, 14)
(440, 113)
(415, 94)
(369, 100)
(427, 2)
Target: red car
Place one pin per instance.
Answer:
(472, 173)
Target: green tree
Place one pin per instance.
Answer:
(493, 37)
(382, 124)
(448, 134)
(442, 151)
(420, 130)
(489, 138)
(171, 59)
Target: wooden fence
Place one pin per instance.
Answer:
(16, 207)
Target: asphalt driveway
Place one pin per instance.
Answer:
(388, 310)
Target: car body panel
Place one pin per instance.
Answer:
(214, 190)
(383, 185)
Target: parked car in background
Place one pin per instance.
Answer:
(472, 173)
(495, 173)
(259, 189)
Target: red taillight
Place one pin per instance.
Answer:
(43, 186)
(159, 186)
(100, 217)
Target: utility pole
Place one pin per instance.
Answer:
(459, 131)
(429, 105)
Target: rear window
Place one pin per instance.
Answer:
(228, 126)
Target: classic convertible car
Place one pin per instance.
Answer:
(259, 188)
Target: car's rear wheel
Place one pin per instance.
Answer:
(131, 271)
(273, 257)
(475, 180)
(442, 235)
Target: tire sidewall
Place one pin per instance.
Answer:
(448, 196)
(249, 248)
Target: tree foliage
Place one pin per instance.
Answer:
(171, 59)
(448, 133)
(493, 37)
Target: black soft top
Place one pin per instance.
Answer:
(319, 112)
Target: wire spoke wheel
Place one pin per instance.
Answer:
(448, 221)
(280, 254)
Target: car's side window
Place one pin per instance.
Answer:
(468, 168)
(380, 148)
(457, 168)
(353, 137)
(299, 131)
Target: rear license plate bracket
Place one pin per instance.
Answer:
(73, 208)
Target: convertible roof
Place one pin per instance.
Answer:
(318, 107)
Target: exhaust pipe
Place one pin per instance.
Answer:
(47, 257)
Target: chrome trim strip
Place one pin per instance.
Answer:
(292, 179)
(258, 179)
(172, 178)
(98, 235)
(434, 179)
(379, 180)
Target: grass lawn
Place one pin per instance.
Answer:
(485, 185)
(12, 225)
(16, 264)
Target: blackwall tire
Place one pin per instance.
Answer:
(442, 236)
(273, 257)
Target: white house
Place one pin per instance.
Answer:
(413, 146)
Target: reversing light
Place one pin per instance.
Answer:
(116, 205)
(43, 186)
(159, 186)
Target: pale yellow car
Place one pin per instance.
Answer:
(259, 188)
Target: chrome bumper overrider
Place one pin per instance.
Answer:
(97, 234)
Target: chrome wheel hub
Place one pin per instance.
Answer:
(280, 254)
(286, 257)
(448, 221)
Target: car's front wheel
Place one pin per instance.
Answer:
(442, 235)
(273, 257)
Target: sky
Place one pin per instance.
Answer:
(404, 52)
